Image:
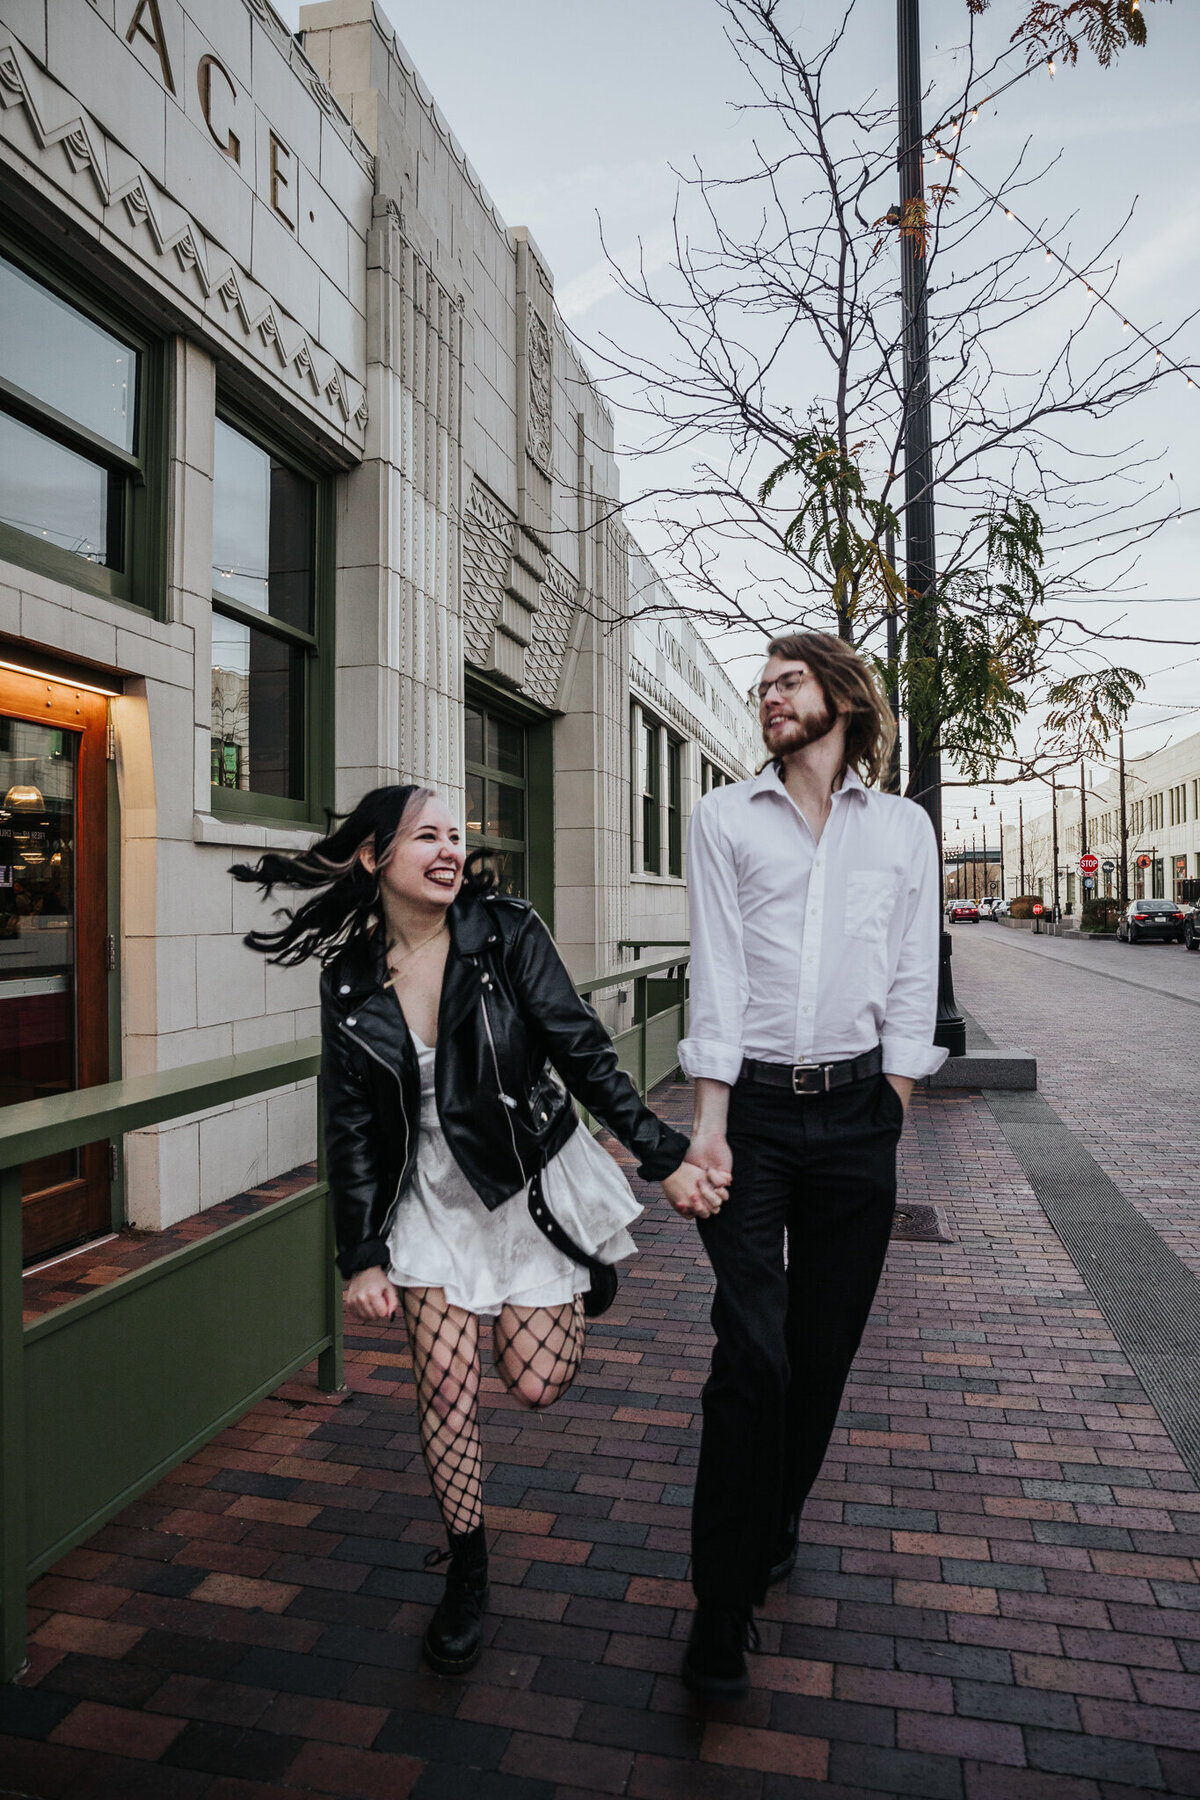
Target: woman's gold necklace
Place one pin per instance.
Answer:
(407, 954)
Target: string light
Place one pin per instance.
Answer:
(1052, 255)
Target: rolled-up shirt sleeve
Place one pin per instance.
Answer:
(910, 1016)
(719, 986)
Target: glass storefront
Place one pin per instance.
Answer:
(37, 924)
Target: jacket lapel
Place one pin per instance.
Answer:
(470, 934)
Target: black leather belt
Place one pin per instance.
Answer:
(814, 1078)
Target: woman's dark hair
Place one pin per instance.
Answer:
(347, 907)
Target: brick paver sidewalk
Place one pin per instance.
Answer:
(997, 1595)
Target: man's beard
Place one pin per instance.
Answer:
(799, 732)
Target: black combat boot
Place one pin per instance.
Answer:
(715, 1660)
(455, 1635)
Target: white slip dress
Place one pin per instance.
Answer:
(443, 1235)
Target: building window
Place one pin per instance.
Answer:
(1155, 805)
(674, 807)
(1157, 889)
(264, 627)
(497, 772)
(80, 468)
(711, 777)
(646, 753)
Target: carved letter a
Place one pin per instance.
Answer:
(155, 37)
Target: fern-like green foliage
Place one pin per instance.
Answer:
(1061, 27)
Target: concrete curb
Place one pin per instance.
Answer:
(986, 1065)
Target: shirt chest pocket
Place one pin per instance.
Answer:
(870, 898)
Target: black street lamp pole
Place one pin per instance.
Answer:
(1123, 877)
(893, 654)
(1054, 826)
(925, 760)
(1021, 838)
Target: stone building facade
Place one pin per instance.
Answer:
(302, 489)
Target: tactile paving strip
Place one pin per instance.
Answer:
(1148, 1295)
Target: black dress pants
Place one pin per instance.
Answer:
(822, 1169)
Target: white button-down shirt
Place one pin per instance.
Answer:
(807, 950)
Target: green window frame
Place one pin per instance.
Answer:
(674, 806)
(507, 787)
(497, 783)
(132, 569)
(305, 652)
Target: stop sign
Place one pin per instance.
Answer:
(1037, 909)
(1089, 864)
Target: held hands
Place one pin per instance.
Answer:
(371, 1295)
(698, 1187)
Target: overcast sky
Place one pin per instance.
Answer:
(572, 112)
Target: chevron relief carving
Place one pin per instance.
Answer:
(57, 122)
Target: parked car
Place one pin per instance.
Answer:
(962, 909)
(1191, 928)
(1000, 909)
(1146, 919)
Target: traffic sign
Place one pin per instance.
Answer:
(1089, 881)
(1089, 863)
(1143, 862)
(1037, 909)
(1108, 867)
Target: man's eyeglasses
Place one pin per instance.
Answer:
(786, 685)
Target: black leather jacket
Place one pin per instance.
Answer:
(508, 1008)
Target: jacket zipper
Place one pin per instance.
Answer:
(391, 1211)
(506, 1100)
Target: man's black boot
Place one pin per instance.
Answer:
(715, 1660)
(455, 1635)
(783, 1557)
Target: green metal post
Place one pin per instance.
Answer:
(641, 1006)
(331, 1372)
(13, 1549)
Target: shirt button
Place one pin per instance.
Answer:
(344, 989)
(352, 1021)
(806, 1009)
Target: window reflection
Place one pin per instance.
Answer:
(257, 690)
(51, 351)
(264, 526)
(53, 494)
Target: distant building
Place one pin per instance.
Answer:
(1162, 831)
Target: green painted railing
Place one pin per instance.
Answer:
(660, 1010)
(103, 1396)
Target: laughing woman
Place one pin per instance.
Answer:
(461, 1185)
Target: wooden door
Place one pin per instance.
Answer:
(53, 936)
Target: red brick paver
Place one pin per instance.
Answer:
(997, 1597)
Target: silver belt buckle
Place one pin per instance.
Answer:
(806, 1093)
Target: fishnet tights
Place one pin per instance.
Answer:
(537, 1351)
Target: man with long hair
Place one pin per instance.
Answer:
(814, 912)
